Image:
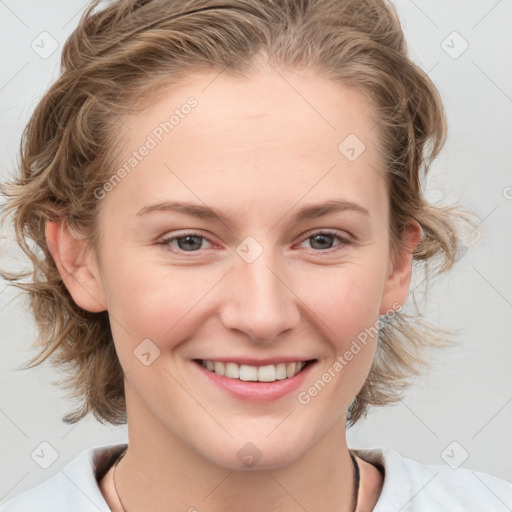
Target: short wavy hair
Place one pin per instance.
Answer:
(133, 49)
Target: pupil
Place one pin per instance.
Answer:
(324, 239)
(189, 242)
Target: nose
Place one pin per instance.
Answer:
(258, 300)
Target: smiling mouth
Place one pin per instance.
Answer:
(248, 373)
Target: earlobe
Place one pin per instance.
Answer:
(77, 267)
(397, 283)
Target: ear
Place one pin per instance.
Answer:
(77, 266)
(397, 283)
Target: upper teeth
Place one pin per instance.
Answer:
(268, 373)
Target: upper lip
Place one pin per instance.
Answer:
(257, 362)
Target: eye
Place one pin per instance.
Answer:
(193, 242)
(324, 240)
(187, 242)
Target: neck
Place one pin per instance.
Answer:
(159, 471)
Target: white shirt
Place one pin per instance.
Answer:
(408, 486)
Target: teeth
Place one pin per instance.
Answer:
(280, 371)
(248, 373)
(267, 373)
(245, 372)
(232, 371)
(219, 368)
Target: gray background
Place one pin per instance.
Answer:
(461, 412)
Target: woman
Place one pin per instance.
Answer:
(227, 199)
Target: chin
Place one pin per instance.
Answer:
(260, 454)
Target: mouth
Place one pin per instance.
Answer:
(258, 382)
(251, 373)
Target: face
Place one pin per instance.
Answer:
(252, 232)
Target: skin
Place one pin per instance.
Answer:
(256, 150)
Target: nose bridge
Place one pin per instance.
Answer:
(259, 302)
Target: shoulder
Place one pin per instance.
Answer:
(410, 486)
(73, 489)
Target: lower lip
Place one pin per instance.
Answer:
(257, 391)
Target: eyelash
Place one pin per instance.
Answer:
(343, 241)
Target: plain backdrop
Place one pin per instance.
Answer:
(462, 409)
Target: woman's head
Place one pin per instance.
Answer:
(255, 109)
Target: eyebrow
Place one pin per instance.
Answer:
(307, 212)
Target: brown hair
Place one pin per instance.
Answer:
(69, 149)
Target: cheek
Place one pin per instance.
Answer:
(345, 303)
(151, 300)
(346, 298)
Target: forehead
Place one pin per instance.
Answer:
(308, 106)
(274, 135)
